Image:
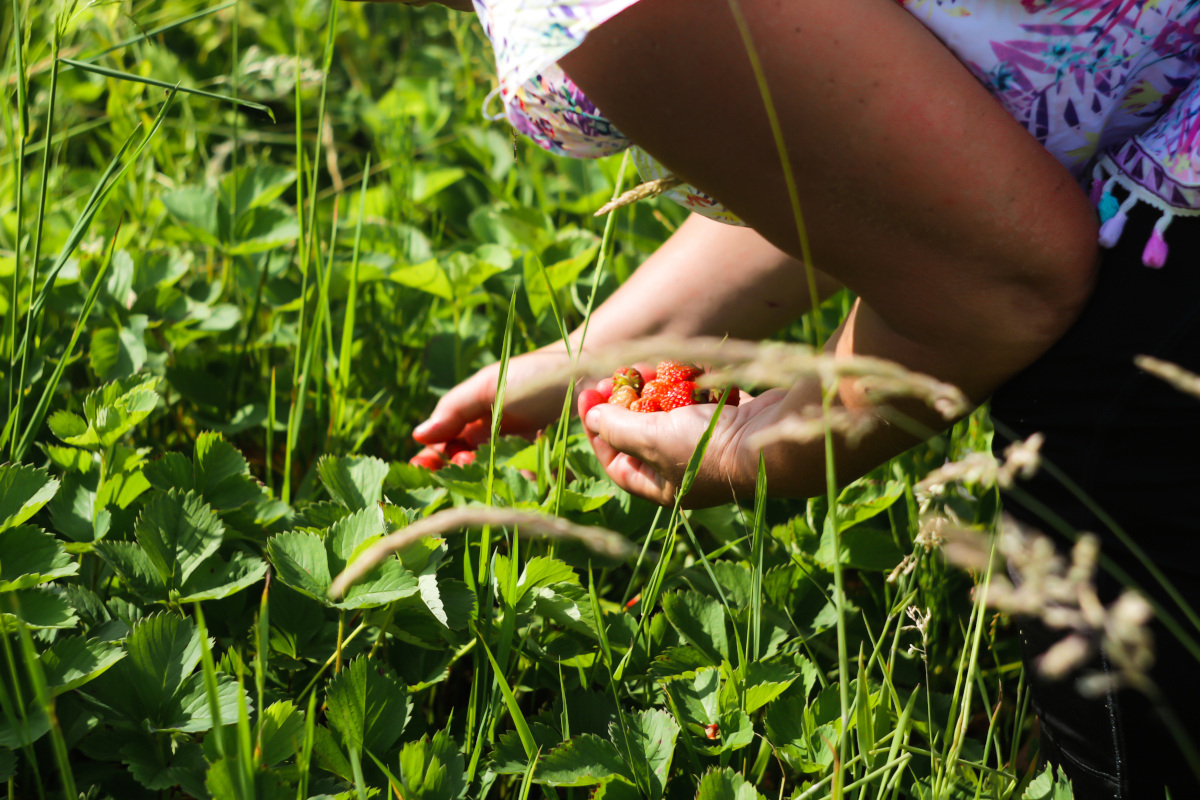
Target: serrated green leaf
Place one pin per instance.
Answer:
(697, 697)
(725, 784)
(39, 608)
(765, 681)
(508, 755)
(221, 474)
(583, 760)
(700, 620)
(29, 556)
(676, 661)
(158, 768)
(217, 579)
(115, 408)
(300, 562)
(616, 789)
(23, 491)
(864, 499)
(367, 706)
(178, 531)
(71, 428)
(172, 471)
(133, 566)
(163, 650)
(72, 662)
(282, 732)
(432, 768)
(647, 743)
(864, 548)
(349, 535)
(73, 509)
(354, 481)
(190, 710)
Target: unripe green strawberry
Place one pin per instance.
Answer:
(714, 395)
(676, 371)
(679, 395)
(645, 405)
(623, 396)
(628, 376)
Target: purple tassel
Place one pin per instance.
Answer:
(1111, 230)
(1097, 192)
(1155, 254)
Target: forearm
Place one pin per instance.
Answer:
(708, 279)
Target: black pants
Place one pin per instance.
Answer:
(1132, 443)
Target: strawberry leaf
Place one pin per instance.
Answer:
(23, 491)
(29, 556)
(354, 481)
(368, 706)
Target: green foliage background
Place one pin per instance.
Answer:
(243, 248)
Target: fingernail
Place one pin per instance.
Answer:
(423, 427)
(592, 419)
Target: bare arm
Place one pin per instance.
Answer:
(971, 248)
(708, 279)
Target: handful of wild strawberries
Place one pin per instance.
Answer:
(674, 386)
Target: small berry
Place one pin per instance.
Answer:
(454, 447)
(463, 457)
(628, 376)
(655, 389)
(645, 405)
(676, 371)
(428, 460)
(623, 396)
(712, 731)
(714, 395)
(679, 395)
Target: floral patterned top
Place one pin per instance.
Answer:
(1109, 87)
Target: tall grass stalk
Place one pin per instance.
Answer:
(307, 240)
(39, 229)
(20, 136)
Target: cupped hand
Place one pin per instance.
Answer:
(466, 410)
(647, 454)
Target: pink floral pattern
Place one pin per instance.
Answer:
(1107, 86)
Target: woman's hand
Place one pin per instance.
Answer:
(468, 406)
(647, 454)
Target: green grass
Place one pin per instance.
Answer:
(306, 238)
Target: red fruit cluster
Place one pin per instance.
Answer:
(456, 451)
(674, 386)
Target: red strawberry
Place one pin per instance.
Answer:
(654, 390)
(623, 395)
(679, 395)
(676, 371)
(428, 459)
(645, 405)
(454, 447)
(463, 457)
(628, 376)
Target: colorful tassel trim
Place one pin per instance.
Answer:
(1155, 254)
(1114, 214)
(1112, 227)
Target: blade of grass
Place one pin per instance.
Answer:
(37, 677)
(97, 200)
(132, 78)
(352, 296)
(150, 34)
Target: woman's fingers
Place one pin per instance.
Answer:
(468, 402)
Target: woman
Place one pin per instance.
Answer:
(969, 242)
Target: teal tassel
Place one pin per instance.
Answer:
(1108, 207)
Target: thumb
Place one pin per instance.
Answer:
(624, 430)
